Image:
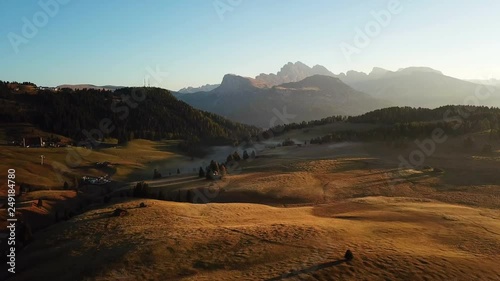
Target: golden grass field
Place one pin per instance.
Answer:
(392, 239)
(130, 162)
(290, 215)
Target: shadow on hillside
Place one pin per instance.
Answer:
(308, 270)
(109, 170)
(88, 263)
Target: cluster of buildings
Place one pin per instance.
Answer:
(37, 142)
(42, 88)
(96, 180)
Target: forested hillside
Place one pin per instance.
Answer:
(125, 114)
(489, 116)
(399, 123)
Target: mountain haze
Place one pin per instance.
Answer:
(491, 82)
(246, 100)
(422, 87)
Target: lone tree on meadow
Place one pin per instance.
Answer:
(348, 255)
(66, 186)
(245, 155)
(178, 171)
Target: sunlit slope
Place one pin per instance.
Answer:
(396, 239)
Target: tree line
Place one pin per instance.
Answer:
(410, 123)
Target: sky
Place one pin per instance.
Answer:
(195, 42)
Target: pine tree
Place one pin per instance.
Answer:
(236, 156)
(201, 173)
(229, 158)
(214, 166)
(223, 170)
(245, 155)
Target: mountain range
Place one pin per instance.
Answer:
(421, 87)
(249, 101)
(310, 93)
(293, 72)
(204, 88)
(315, 92)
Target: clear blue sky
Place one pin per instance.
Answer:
(115, 41)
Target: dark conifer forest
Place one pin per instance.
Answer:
(125, 114)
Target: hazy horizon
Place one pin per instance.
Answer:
(198, 42)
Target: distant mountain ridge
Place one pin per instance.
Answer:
(204, 88)
(292, 72)
(89, 86)
(248, 101)
(232, 82)
(423, 87)
(353, 76)
(490, 82)
(311, 94)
